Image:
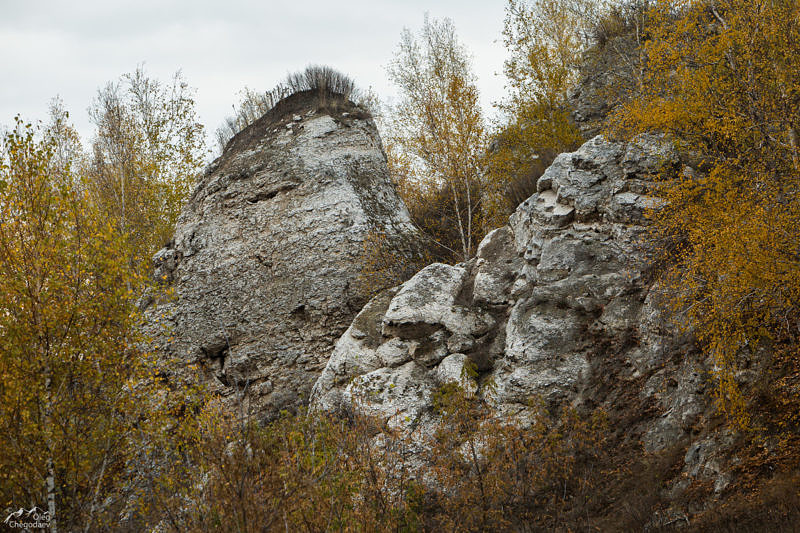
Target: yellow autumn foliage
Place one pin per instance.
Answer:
(546, 40)
(437, 139)
(78, 401)
(147, 149)
(723, 80)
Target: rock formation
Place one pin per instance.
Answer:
(556, 305)
(265, 257)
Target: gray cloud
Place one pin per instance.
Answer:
(72, 48)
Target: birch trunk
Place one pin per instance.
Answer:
(51, 471)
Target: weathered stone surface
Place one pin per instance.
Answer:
(266, 253)
(556, 305)
(427, 298)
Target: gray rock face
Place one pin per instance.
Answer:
(266, 253)
(551, 303)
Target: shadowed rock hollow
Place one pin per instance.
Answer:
(267, 251)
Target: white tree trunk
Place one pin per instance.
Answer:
(51, 471)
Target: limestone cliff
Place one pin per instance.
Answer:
(265, 255)
(558, 304)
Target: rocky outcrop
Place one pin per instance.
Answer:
(265, 256)
(556, 305)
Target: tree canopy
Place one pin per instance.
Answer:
(722, 81)
(437, 137)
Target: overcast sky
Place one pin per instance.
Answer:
(71, 48)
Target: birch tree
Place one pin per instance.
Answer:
(722, 81)
(438, 135)
(72, 389)
(147, 149)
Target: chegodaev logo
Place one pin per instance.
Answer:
(33, 518)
